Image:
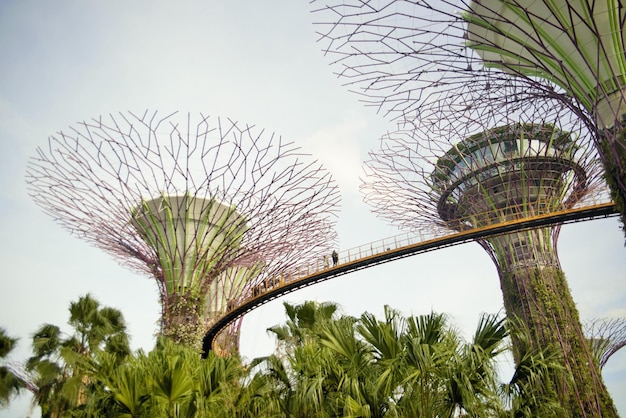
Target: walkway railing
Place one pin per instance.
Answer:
(381, 251)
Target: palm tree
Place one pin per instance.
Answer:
(531, 392)
(473, 375)
(329, 366)
(399, 367)
(428, 371)
(258, 398)
(356, 371)
(275, 376)
(301, 372)
(171, 381)
(10, 381)
(63, 364)
(303, 322)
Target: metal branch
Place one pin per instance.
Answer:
(607, 337)
(206, 208)
(401, 55)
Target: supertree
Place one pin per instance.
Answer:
(400, 54)
(464, 168)
(607, 336)
(207, 208)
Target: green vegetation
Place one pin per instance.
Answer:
(10, 382)
(63, 365)
(540, 300)
(325, 365)
(614, 174)
(400, 367)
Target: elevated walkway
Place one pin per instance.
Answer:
(384, 251)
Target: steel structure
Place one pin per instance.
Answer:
(205, 206)
(607, 336)
(387, 250)
(466, 168)
(401, 54)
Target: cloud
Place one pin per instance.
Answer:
(340, 147)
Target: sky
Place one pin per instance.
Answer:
(256, 62)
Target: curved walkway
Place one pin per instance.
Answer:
(383, 251)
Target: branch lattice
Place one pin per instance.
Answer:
(398, 182)
(208, 207)
(400, 55)
(607, 336)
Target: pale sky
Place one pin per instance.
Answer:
(256, 62)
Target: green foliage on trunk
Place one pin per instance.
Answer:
(540, 299)
(614, 157)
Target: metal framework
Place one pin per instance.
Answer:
(465, 167)
(607, 336)
(390, 249)
(207, 207)
(401, 54)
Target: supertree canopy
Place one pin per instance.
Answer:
(401, 54)
(208, 208)
(578, 45)
(607, 336)
(465, 168)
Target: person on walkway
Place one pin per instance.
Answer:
(335, 258)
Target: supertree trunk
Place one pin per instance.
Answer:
(206, 209)
(466, 167)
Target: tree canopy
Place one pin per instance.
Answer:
(326, 364)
